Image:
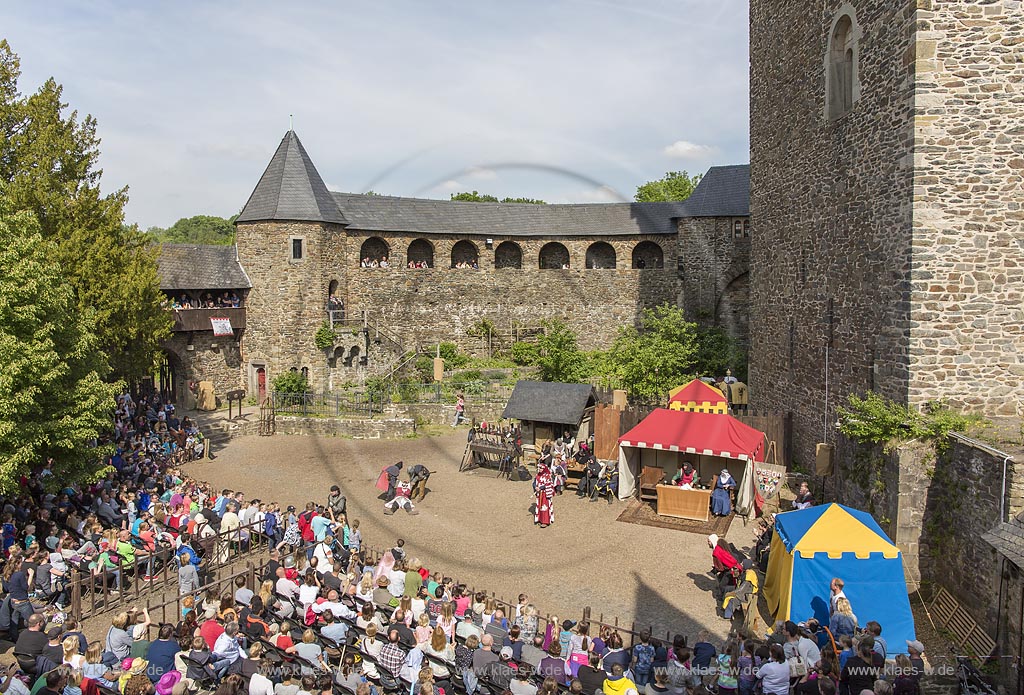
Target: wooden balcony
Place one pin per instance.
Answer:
(199, 319)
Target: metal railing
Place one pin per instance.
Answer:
(154, 573)
(328, 404)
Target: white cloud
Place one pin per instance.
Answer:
(683, 149)
(481, 174)
(533, 86)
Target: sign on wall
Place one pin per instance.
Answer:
(221, 327)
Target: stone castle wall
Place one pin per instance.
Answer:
(216, 359)
(935, 508)
(287, 302)
(831, 206)
(715, 273)
(426, 306)
(968, 253)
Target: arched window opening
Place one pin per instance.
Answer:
(352, 360)
(841, 88)
(374, 253)
(508, 255)
(339, 354)
(305, 374)
(600, 256)
(420, 254)
(465, 255)
(647, 254)
(335, 304)
(554, 256)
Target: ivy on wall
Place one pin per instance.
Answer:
(882, 426)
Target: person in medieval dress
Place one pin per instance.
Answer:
(721, 505)
(544, 489)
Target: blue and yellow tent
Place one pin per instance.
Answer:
(811, 546)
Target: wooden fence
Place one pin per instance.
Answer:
(92, 594)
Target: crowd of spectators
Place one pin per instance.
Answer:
(225, 300)
(324, 619)
(369, 262)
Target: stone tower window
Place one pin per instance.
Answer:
(842, 86)
(647, 254)
(601, 256)
(465, 255)
(297, 248)
(508, 255)
(553, 256)
(374, 253)
(420, 254)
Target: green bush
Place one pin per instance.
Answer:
(468, 375)
(325, 336)
(525, 354)
(424, 367)
(453, 359)
(290, 382)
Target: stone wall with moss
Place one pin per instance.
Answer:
(935, 505)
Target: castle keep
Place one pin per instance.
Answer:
(304, 255)
(887, 210)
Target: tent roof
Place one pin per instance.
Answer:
(696, 433)
(545, 401)
(697, 392)
(833, 529)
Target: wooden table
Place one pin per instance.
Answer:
(684, 504)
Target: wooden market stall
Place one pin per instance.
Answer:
(655, 450)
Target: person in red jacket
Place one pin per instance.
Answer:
(726, 566)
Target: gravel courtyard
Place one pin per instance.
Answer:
(477, 528)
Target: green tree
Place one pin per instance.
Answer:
(290, 382)
(718, 351)
(476, 197)
(48, 164)
(54, 401)
(675, 185)
(560, 358)
(200, 229)
(658, 356)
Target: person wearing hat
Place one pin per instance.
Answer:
(686, 476)
(165, 686)
(381, 596)
(721, 503)
(336, 502)
(915, 649)
(499, 672)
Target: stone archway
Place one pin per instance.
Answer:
(553, 256)
(601, 256)
(732, 310)
(508, 255)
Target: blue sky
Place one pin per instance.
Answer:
(569, 100)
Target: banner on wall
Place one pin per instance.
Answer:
(221, 327)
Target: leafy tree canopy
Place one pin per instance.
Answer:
(200, 229)
(476, 197)
(54, 401)
(673, 186)
(560, 358)
(48, 166)
(657, 357)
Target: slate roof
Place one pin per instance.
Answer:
(542, 401)
(1008, 539)
(291, 189)
(200, 267)
(722, 192)
(425, 216)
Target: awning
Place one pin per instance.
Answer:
(708, 434)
